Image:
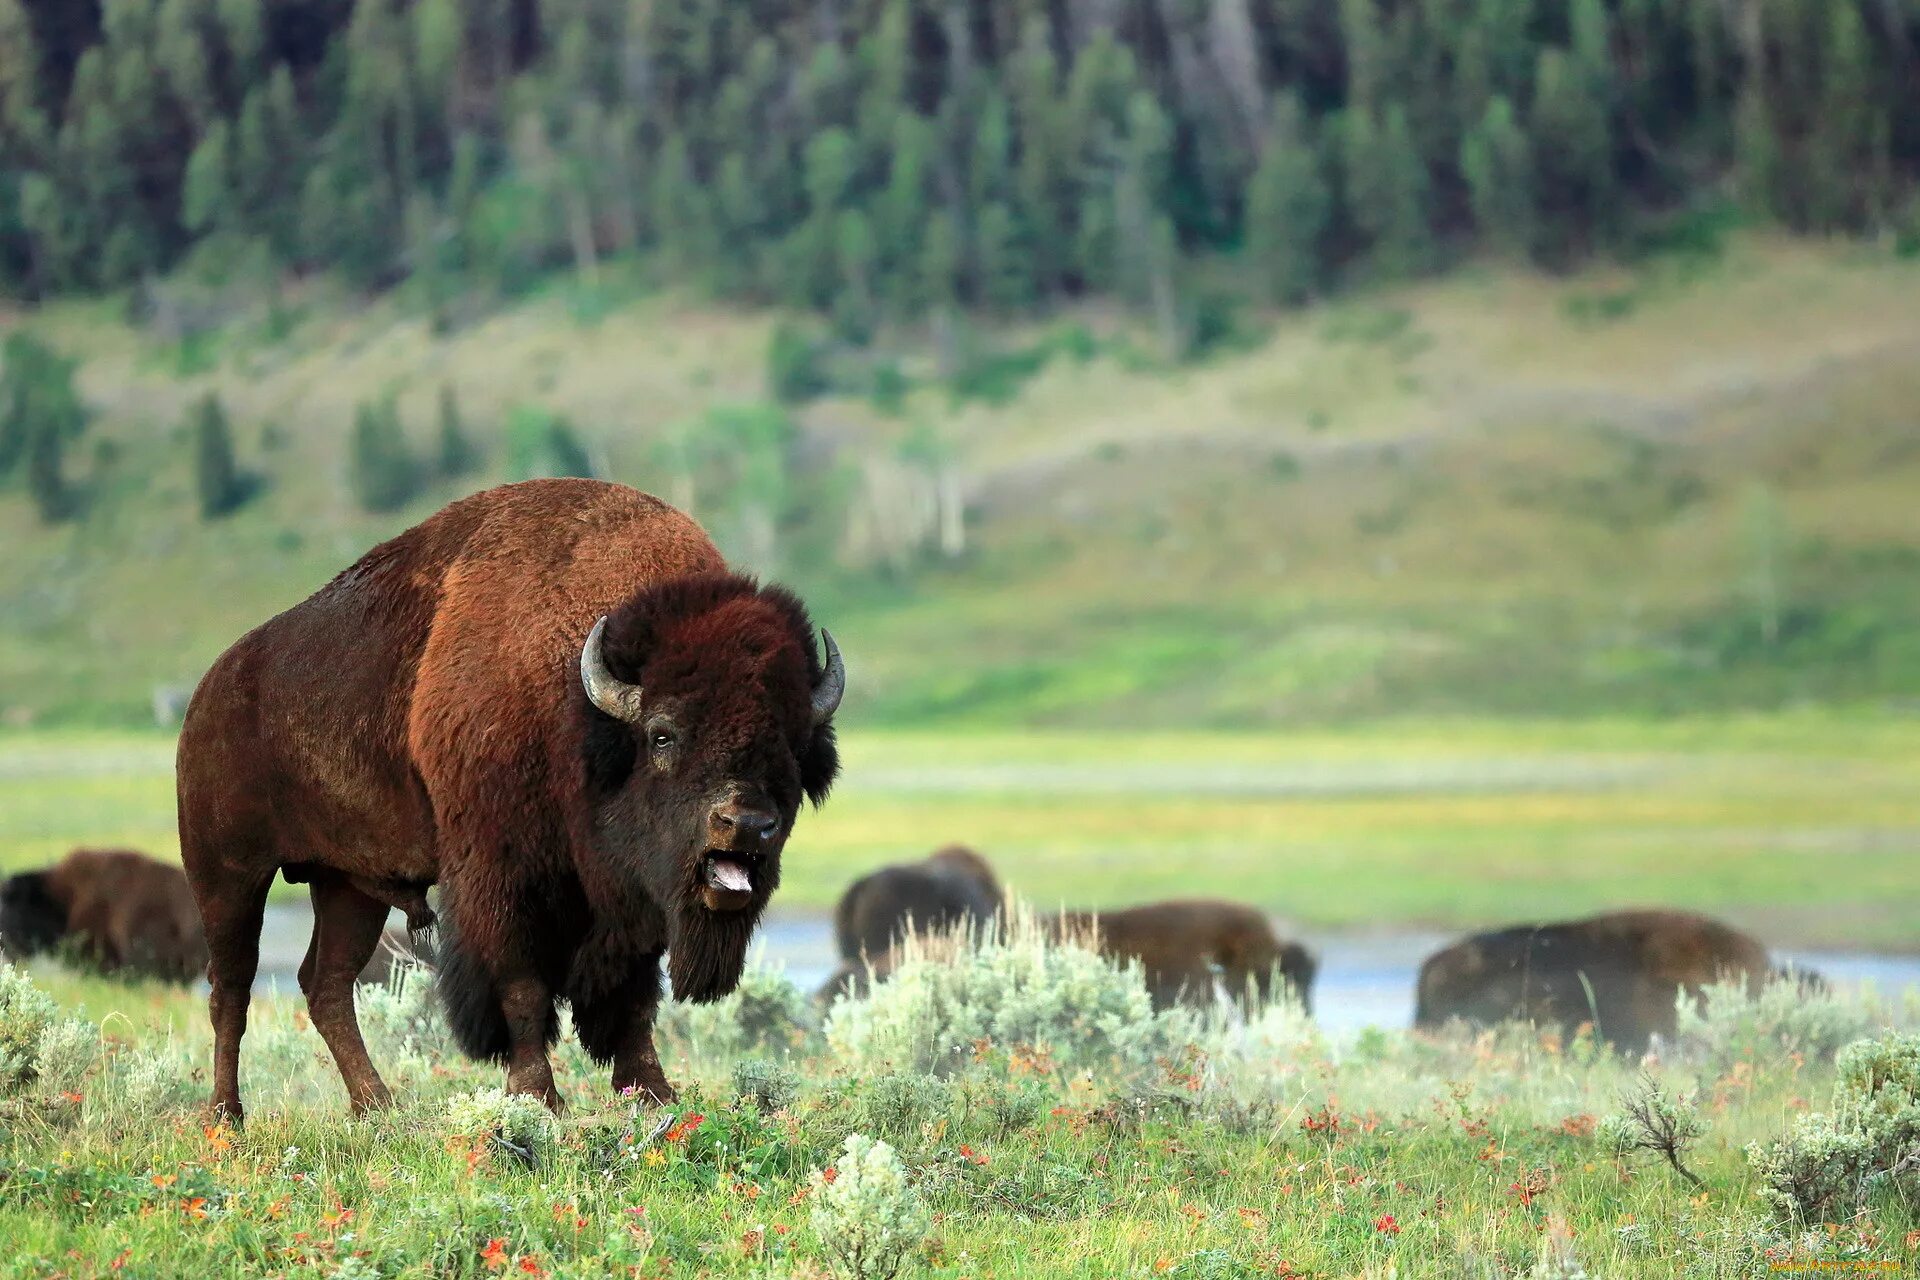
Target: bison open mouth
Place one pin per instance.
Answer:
(726, 879)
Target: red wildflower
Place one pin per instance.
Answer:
(1385, 1223)
(686, 1125)
(972, 1156)
(495, 1254)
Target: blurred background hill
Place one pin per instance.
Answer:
(1222, 363)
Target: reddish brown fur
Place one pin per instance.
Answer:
(123, 911)
(1180, 943)
(1622, 971)
(949, 888)
(421, 720)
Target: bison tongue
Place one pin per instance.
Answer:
(725, 873)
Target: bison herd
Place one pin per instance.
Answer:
(555, 702)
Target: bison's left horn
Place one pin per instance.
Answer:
(833, 682)
(615, 697)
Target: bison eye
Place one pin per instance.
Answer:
(661, 739)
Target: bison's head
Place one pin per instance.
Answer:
(32, 919)
(711, 719)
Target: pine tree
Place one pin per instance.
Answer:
(458, 457)
(42, 415)
(1573, 154)
(216, 476)
(1387, 192)
(381, 470)
(1288, 205)
(1498, 167)
(1005, 271)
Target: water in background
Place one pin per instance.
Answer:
(1366, 980)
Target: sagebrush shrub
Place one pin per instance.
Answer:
(766, 1016)
(41, 1051)
(868, 1216)
(770, 1086)
(1829, 1162)
(1025, 990)
(514, 1120)
(1727, 1022)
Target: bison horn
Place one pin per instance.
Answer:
(615, 697)
(833, 682)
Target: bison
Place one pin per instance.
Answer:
(1180, 945)
(951, 888)
(123, 911)
(554, 700)
(1621, 971)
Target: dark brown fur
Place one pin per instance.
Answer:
(1180, 944)
(1622, 971)
(122, 911)
(421, 720)
(951, 888)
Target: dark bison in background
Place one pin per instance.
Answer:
(1622, 971)
(948, 889)
(552, 699)
(122, 911)
(1182, 944)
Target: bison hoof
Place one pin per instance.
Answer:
(228, 1112)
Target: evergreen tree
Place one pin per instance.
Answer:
(216, 476)
(40, 414)
(1573, 156)
(1498, 167)
(458, 457)
(1288, 205)
(1387, 192)
(381, 470)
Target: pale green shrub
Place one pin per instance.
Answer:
(770, 1086)
(868, 1218)
(143, 1083)
(765, 1016)
(1024, 989)
(516, 1121)
(1830, 1162)
(1728, 1023)
(67, 1050)
(41, 1052)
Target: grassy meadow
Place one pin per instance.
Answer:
(1804, 827)
(1679, 485)
(1078, 1136)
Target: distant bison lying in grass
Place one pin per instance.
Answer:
(951, 888)
(119, 910)
(1622, 972)
(1182, 944)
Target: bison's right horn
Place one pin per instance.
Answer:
(615, 697)
(833, 682)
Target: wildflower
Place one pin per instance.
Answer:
(531, 1265)
(495, 1254)
(196, 1207)
(1386, 1225)
(219, 1138)
(971, 1156)
(165, 1180)
(686, 1125)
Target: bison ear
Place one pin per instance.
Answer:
(819, 763)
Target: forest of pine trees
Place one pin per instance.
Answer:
(886, 161)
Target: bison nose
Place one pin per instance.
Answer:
(753, 827)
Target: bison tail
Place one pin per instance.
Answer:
(466, 993)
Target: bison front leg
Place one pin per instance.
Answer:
(527, 1003)
(636, 1064)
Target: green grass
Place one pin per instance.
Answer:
(1467, 496)
(1804, 827)
(1394, 1156)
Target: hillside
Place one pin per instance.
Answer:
(1688, 485)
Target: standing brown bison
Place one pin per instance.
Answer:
(1180, 945)
(123, 911)
(949, 888)
(1622, 972)
(552, 699)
